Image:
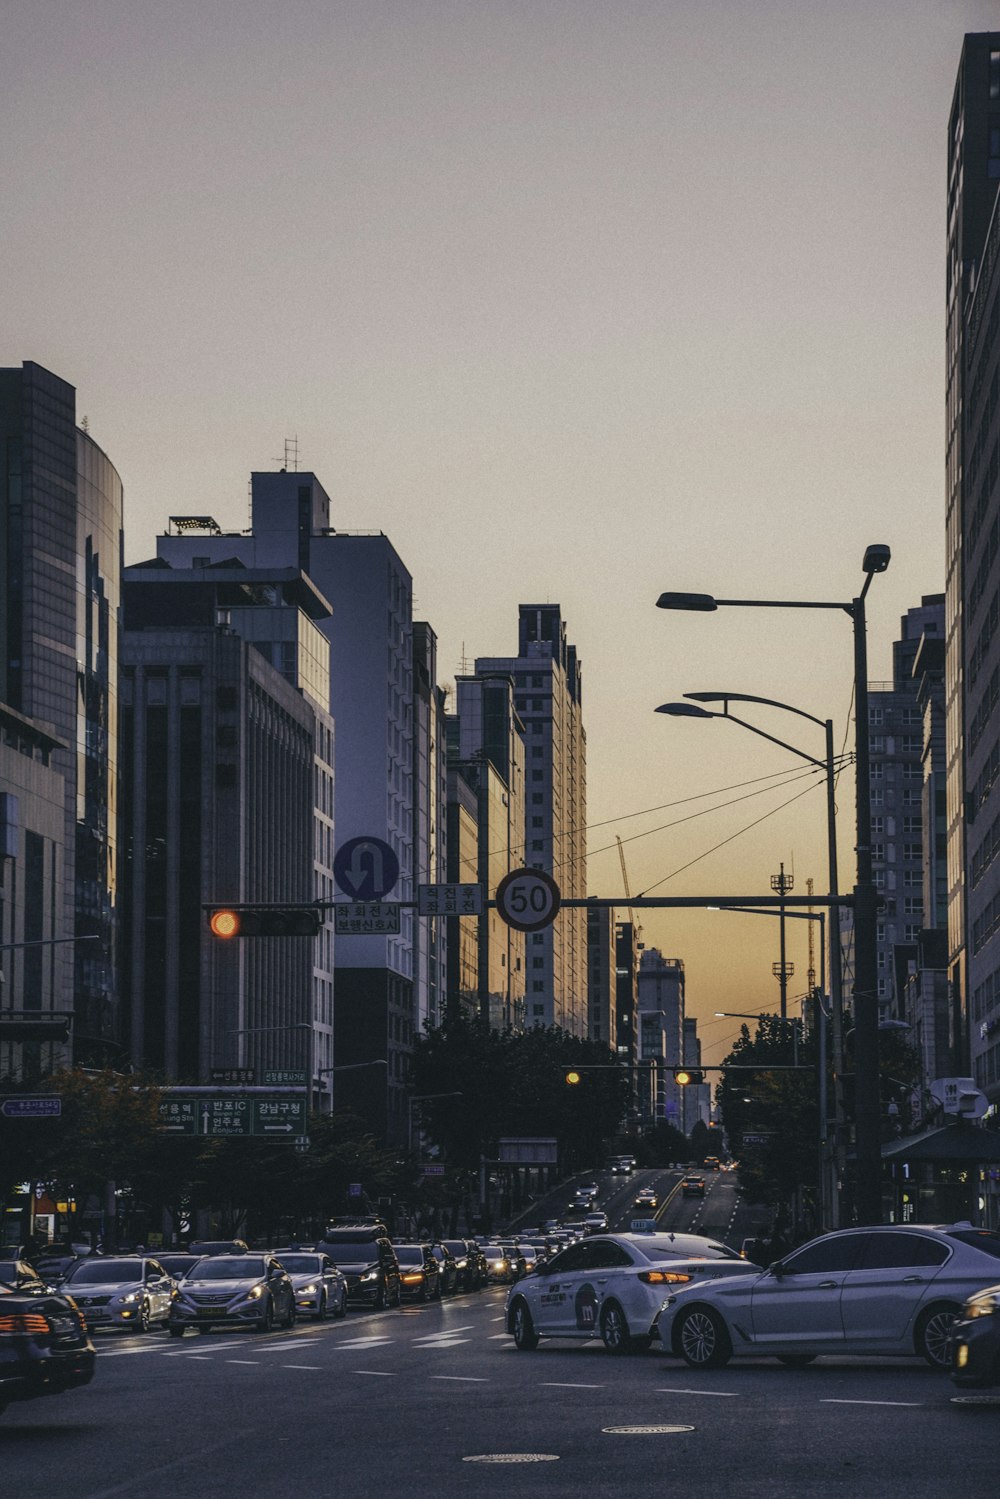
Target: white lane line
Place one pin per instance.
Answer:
(498, 1319)
(462, 1378)
(915, 1404)
(375, 1373)
(294, 1343)
(356, 1345)
(207, 1357)
(301, 1366)
(562, 1384)
(253, 1361)
(715, 1394)
(498, 1337)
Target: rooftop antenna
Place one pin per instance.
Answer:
(290, 463)
(465, 663)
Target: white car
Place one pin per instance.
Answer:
(123, 1291)
(889, 1291)
(612, 1286)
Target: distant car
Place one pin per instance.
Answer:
(469, 1265)
(44, 1347)
(130, 1292)
(366, 1256)
(693, 1186)
(320, 1286)
(646, 1198)
(53, 1268)
(596, 1222)
(501, 1266)
(447, 1267)
(975, 1341)
(201, 1247)
(612, 1286)
(887, 1290)
(236, 1290)
(419, 1272)
(178, 1262)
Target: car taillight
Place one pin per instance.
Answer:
(20, 1323)
(664, 1277)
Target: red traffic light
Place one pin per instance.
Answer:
(263, 921)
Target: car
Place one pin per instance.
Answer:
(712, 1163)
(177, 1262)
(54, 1268)
(612, 1286)
(419, 1272)
(227, 1290)
(44, 1346)
(975, 1341)
(646, 1197)
(501, 1269)
(447, 1267)
(130, 1292)
(320, 1286)
(470, 1266)
(693, 1186)
(887, 1290)
(596, 1223)
(365, 1254)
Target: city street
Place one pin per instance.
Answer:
(419, 1401)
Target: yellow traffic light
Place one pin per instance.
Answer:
(224, 923)
(682, 1077)
(573, 1078)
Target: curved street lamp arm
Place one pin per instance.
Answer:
(821, 764)
(747, 697)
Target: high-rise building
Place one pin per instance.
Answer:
(379, 766)
(972, 425)
(226, 795)
(660, 1017)
(548, 698)
(60, 564)
(602, 979)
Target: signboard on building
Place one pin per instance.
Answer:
(528, 1151)
(366, 918)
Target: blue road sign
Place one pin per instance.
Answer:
(31, 1108)
(365, 868)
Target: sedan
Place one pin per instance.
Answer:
(646, 1198)
(469, 1263)
(419, 1273)
(44, 1347)
(320, 1288)
(693, 1186)
(127, 1291)
(889, 1291)
(246, 1290)
(612, 1286)
(501, 1269)
(975, 1341)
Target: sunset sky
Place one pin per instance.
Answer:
(577, 301)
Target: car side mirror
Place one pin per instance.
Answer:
(777, 1269)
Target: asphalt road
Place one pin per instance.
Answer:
(435, 1400)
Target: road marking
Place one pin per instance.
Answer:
(284, 1347)
(206, 1356)
(461, 1378)
(498, 1319)
(126, 1352)
(562, 1384)
(916, 1404)
(716, 1394)
(252, 1361)
(498, 1337)
(356, 1344)
(301, 1366)
(375, 1373)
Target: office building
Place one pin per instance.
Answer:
(660, 1018)
(60, 564)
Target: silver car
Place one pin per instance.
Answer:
(892, 1291)
(126, 1291)
(320, 1288)
(243, 1290)
(612, 1286)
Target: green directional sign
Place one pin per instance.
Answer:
(225, 1117)
(284, 1077)
(279, 1118)
(179, 1116)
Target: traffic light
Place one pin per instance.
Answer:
(226, 922)
(573, 1078)
(686, 1075)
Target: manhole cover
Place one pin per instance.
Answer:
(975, 1399)
(643, 1431)
(513, 1457)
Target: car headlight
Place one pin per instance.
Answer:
(255, 1293)
(369, 1275)
(129, 1296)
(983, 1306)
(308, 1290)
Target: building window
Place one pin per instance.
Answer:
(875, 718)
(878, 852)
(538, 1009)
(878, 744)
(536, 822)
(537, 986)
(913, 850)
(878, 825)
(538, 962)
(911, 933)
(536, 796)
(913, 905)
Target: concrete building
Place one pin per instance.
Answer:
(548, 697)
(60, 562)
(378, 764)
(972, 670)
(602, 977)
(660, 1018)
(227, 794)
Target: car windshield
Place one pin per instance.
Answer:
(105, 1272)
(301, 1264)
(455, 1247)
(246, 1267)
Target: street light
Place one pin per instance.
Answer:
(868, 1143)
(689, 709)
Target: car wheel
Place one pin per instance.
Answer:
(142, 1324)
(266, 1322)
(614, 1329)
(321, 1314)
(293, 1314)
(522, 1327)
(796, 1360)
(176, 1332)
(397, 1299)
(702, 1339)
(341, 1309)
(438, 1291)
(381, 1301)
(933, 1336)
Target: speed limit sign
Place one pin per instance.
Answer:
(528, 899)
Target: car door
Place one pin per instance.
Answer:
(158, 1287)
(797, 1304)
(882, 1295)
(552, 1292)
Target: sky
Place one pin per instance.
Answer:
(577, 301)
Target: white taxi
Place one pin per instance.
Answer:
(612, 1286)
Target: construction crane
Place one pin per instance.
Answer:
(628, 893)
